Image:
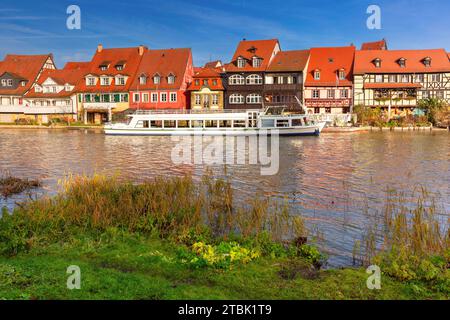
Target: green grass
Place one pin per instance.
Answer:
(175, 238)
(129, 266)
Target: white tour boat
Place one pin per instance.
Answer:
(212, 122)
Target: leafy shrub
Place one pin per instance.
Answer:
(223, 256)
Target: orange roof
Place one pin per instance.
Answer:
(329, 61)
(163, 62)
(26, 67)
(391, 85)
(295, 60)
(72, 75)
(130, 58)
(213, 64)
(376, 45)
(364, 61)
(209, 74)
(247, 49)
(76, 65)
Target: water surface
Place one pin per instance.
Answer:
(337, 181)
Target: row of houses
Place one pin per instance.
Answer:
(260, 74)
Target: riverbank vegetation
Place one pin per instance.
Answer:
(432, 112)
(10, 185)
(174, 238)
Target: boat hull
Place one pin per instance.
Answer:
(301, 131)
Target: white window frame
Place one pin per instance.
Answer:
(153, 96)
(9, 82)
(171, 95)
(215, 99)
(317, 75)
(236, 79)
(256, 62)
(236, 98)
(254, 79)
(145, 97)
(197, 99)
(138, 97)
(314, 95)
(240, 62)
(156, 79)
(105, 81)
(341, 74)
(253, 98)
(161, 95)
(120, 81)
(171, 79)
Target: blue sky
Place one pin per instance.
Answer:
(213, 28)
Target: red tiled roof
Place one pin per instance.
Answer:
(113, 56)
(209, 74)
(72, 75)
(76, 65)
(247, 49)
(25, 67)
(213, 64)
(389, 61)
(295, 60)
(376, 45)
(163, 62)
(329, 61)
(391, 85)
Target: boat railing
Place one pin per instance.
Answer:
(190, 111)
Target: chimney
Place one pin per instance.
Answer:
(141, 50)
(100, 48)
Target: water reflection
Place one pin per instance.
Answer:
(337, 181)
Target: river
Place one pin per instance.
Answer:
(338, 181)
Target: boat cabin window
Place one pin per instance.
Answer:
(239, 124)
(169, 123)
(142, 124)
(183, 123)
(210, 123)
(225, 123)
(297, 122)
(197, 123)
(156, 123)
(268, 123)
(282, 123)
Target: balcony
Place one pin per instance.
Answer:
(99, 105)
(36, 110)
(282, 87)
(328, 102)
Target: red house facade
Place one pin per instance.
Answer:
(162, 80)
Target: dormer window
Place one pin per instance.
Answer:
(341, 74)
(104, 81)
(427, 62)
(377, 62)
(240, 62)
(120, 65)
(23, 83)
(156, 79)
(37, 89)
(67, 88)
(142, 79)
(317, 75)
(401, 62)
(171, 79)
(90, 81)
(120, 81)
(256, 62)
